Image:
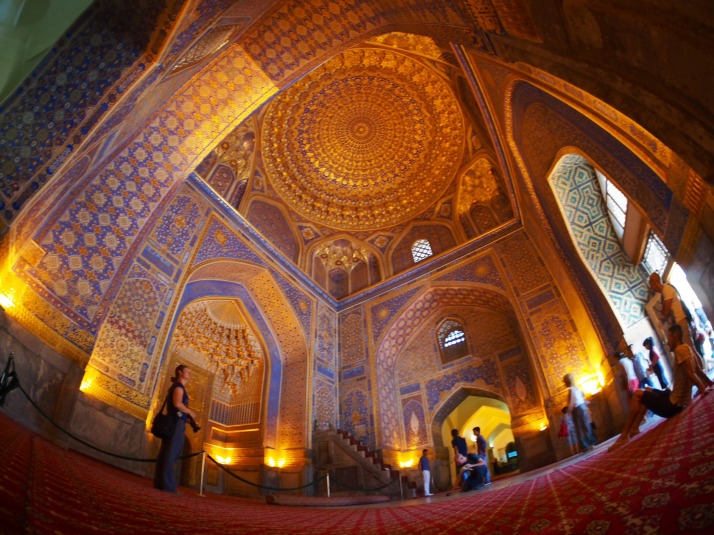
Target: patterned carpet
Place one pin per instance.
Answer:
(661, 482)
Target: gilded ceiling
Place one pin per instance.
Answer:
(345, 169)
(367, 141)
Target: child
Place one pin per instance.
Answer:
(567, 431)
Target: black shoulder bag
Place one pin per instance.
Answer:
(164, 423)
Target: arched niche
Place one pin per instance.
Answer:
(271, 315)
(506, 374)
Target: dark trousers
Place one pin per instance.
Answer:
(659, 372)
(475, 478)
(164, 477)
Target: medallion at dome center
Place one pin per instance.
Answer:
(367, 141)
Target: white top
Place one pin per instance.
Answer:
(669, 292)
(577, 397)
(640, 366)
(629, 368)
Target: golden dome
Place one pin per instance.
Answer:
(367, 141)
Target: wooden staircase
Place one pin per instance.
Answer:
(354, 469)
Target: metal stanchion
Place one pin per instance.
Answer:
(401, 490)
(203, 472)
(328, 484)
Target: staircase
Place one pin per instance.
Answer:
(353, 468)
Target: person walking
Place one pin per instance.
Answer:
(482, 450)
(627, 370)
(567, 431)
(170, 451)
(655, 363)
(640, 365)
(578, 409)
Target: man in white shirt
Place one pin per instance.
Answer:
(627, 368)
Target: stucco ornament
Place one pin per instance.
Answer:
(367, 141)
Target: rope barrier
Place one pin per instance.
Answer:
(16, 384)
(84, 442)
(315, 482)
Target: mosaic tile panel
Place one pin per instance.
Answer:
(295, 31)
(325, 406)
(575, 184)
(484, 375)
(325, 398)
(178, 225)
(355, 410)
(26, 225)
(415, 429)
(548, 124)
(519, 386)
(352, 338)
(221, 242)
(559, 348)
(381, 315)
(52, 111)
(326, 340)
(270, 221)
(483, 270)
(124, 349)
(522, 264)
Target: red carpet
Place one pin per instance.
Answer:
(662, 482)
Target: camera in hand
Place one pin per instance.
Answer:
(196, 428)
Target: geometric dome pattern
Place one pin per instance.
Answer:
(366, 141)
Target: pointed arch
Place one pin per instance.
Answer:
(285, 344)
(485, 374)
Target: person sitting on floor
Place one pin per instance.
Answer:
(471, 471)
(663, 402)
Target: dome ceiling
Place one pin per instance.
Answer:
(366, 142)
(382, 147)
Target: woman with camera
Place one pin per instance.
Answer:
(177, 401)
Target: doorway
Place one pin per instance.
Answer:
(494, 418)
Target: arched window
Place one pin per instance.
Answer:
(452, 341)
(421, 249)
(656, 255)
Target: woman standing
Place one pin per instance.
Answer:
(578, 408)
(177, 401)
(655, 362)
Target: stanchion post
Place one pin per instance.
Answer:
(203, 472)
(328, 484)
(401, 490)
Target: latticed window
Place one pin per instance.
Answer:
(421, 249)
(616, 204)
(452, 341)
(656, 255)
